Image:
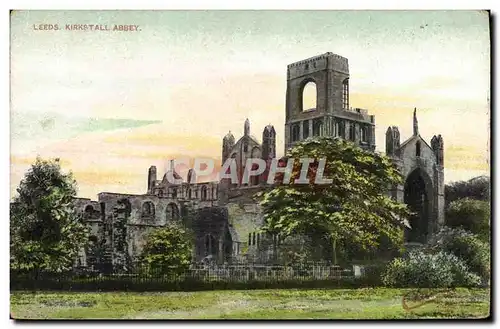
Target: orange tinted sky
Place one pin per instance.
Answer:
(110, 104)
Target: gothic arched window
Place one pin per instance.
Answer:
(88, 212)
(204, 193)
(417, 148)
(339, 129)
(352, 132)
(305, 129)
(345, 94)
(89, 209)
(363, 132)
(295, 132)
(172, 212)
(317, 127)
(148, 209)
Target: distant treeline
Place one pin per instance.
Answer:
(477, 188)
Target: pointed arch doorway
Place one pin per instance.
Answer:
(418, 196)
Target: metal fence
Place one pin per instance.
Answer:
(195, 277)
(247, 272)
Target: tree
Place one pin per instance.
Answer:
(46, 233)
(168, 250)
(477, 188)
(353, 209)
(471, 215)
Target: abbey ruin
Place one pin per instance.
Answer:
(225, 218)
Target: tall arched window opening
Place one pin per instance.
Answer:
(309, 95)
(345, 94)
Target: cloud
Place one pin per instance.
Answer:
(46, 127)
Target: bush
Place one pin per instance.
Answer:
(466, 246)
(425, 270)
(372, 274)
(167, 250)
(471, 215)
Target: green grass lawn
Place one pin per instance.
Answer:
(377, 303)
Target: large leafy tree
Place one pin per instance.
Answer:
(168, 250)
(46, 233)
(352, 210)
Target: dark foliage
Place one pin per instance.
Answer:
(477, 188)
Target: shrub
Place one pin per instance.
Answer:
(372, 274)
(466, 246)
(167, 250)
(471, 215)
(426, 270)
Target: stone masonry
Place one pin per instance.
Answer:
(224, 216)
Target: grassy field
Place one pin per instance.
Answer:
(378, 303)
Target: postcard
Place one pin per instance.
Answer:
(216, 164)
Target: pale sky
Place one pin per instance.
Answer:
(110, 104)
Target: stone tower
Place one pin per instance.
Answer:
(227, 146)
(392, 141)
(151, 179)
(268, 143)
(329, 73)
(437, 146)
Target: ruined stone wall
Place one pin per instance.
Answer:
(410, 161)
(246, 218)
(159, 216)
(209, 227)
(137, 236)
(432, 174)
(119, 224)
